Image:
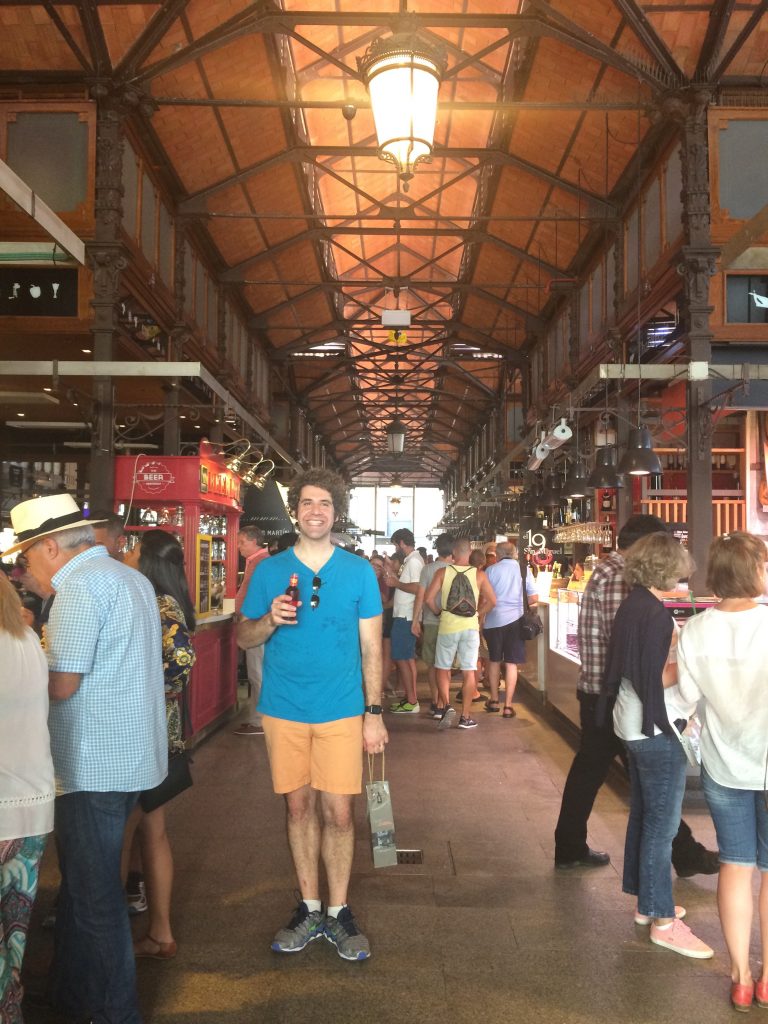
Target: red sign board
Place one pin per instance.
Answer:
(169, 478)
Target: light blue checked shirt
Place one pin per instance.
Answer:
(109, 736)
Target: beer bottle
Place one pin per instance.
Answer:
(292, 590)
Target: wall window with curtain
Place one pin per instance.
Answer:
(149, 219)
(673, 203)
(631, 265)
(651, 225)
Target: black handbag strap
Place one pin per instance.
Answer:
(523, 573)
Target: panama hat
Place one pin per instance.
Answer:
(40, 517)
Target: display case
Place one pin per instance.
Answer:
(564, 610)
(198, 499)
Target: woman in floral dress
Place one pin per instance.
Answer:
(160, 558)
(27, 789)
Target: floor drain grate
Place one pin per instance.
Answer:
(410, 856)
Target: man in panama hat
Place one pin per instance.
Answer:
(108, 741)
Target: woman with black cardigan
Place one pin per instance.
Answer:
(641, 674)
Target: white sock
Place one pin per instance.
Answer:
(334, 911)
(663, 927)
(313, 905)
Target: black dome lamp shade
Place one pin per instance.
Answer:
(605, 475)
(640, 459)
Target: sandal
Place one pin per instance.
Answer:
(508, 712)
(149, 947)
(492, 705)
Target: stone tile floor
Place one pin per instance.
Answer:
(484, 930)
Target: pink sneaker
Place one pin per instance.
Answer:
(680, 939)
(643, 919)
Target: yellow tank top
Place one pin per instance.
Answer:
(456, 623)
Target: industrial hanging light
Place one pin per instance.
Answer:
(551, 496)
(396, 436)
(640, 459)
(605, 475)
(576, 483)
(402, 75)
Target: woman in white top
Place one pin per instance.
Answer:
(641, 674)
(27, 788)
(722, 658)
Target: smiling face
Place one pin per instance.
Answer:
(315, 513)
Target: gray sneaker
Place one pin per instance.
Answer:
(447, 717)
(304, 927)
(343, 932)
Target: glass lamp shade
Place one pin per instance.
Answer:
(403, 75)
(576, 482)
(396, 436)
(605, 474)
(640, 459)
(551, 495)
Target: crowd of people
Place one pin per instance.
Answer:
(93, 721)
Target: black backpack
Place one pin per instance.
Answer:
(461, 597)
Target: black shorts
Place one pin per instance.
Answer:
(505, 643)
(386, 623)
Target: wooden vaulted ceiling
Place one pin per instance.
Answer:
(541, 109)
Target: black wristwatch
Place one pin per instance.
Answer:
(373, 709)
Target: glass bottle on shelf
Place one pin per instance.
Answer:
(178, 517)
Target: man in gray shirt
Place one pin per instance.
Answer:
(425, 623)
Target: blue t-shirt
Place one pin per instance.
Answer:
(313, 671)
(504, 576)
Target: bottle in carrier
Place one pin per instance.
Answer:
(292, 590)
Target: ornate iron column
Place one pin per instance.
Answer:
(698, 265)
(106, 259)
(178, 340)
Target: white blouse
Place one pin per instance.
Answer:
(722, 658)
(27, 787)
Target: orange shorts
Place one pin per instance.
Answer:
(327, 756)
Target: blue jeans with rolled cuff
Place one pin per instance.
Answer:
(93, 973)
(657, 785)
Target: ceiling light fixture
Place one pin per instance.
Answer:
(558, 435)
(640, 459)
(396, 436)
(605, 476)
(402, 75)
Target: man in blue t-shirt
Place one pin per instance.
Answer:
(321, 657)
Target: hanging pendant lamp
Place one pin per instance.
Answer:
(396, 436)
(605, 475)
(402, 74)
(640, 459)
(576, 481)
(551, 495)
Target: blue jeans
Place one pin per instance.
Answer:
(657, 784)
(741, 823)
(93, 973)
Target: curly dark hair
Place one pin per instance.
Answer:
(325, 479)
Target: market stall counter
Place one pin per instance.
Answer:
(196, 498)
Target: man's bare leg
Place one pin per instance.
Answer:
(337, 844)
(468, 692)
(494, 674)
(510, 681)
(304, 839)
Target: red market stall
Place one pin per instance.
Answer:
(197, 498)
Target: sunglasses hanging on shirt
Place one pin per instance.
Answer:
(314, 601)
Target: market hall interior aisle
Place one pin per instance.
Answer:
(485, 929)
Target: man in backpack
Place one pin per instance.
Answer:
(465, 595)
